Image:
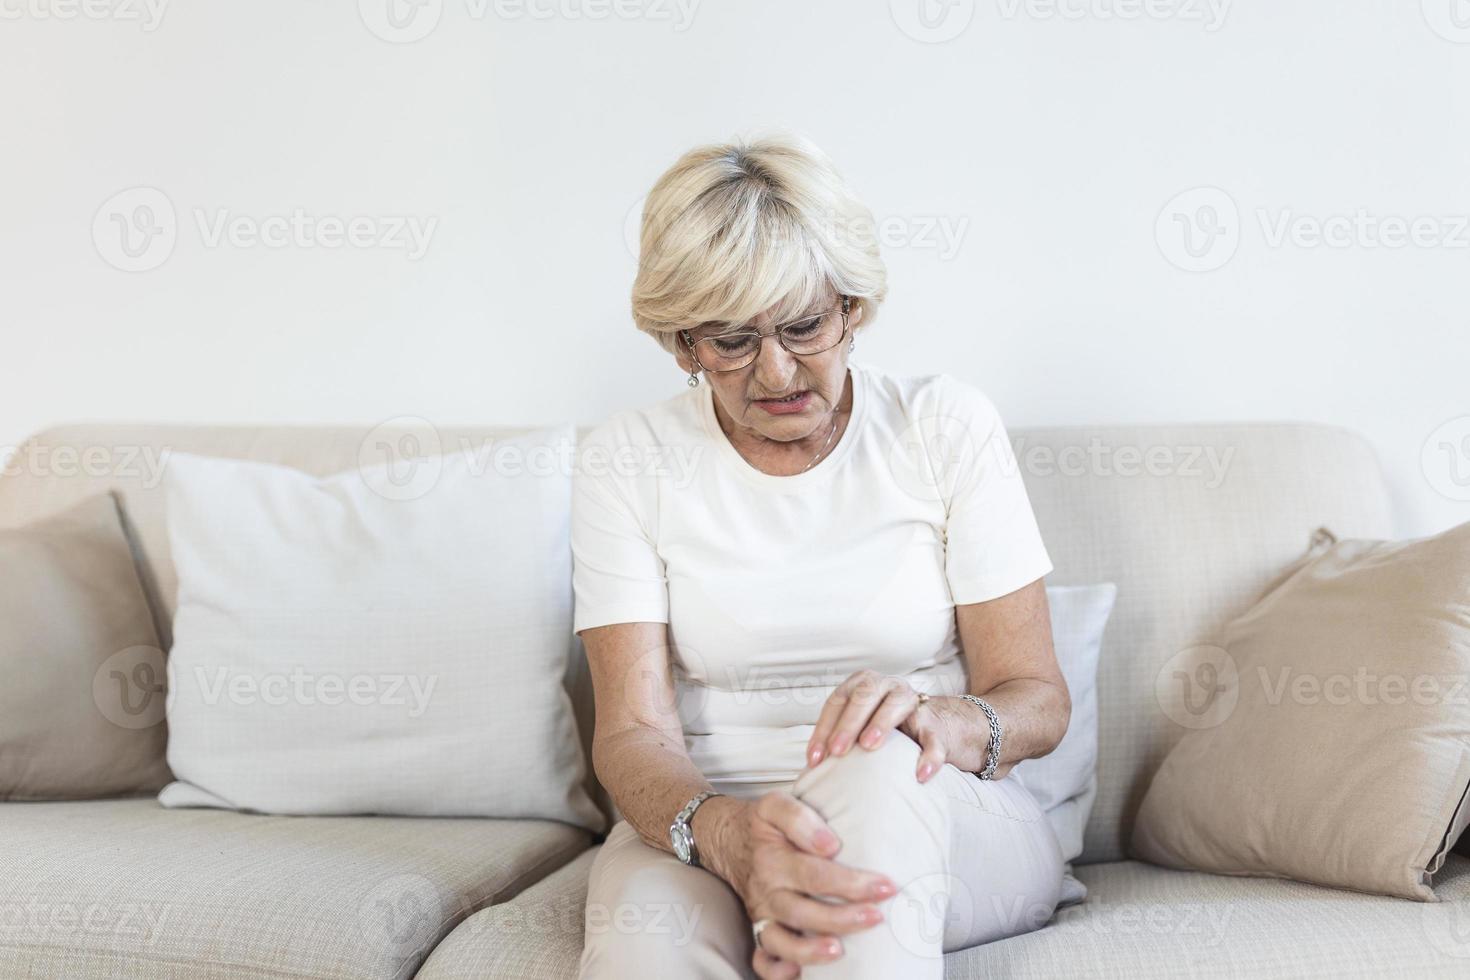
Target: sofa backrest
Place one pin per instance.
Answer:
(1190, 521)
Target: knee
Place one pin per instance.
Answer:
(871, 787)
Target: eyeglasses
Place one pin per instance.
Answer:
(734, 350)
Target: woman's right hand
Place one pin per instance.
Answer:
(778, 854)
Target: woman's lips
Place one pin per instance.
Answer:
(778, 407)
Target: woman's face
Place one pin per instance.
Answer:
(748, 395)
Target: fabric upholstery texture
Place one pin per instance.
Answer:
(352, 644)
(81, 705)
(1190, 521)
(1339, 748)
(102, 889)
(1139, 921)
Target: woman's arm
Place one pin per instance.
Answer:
(638, 744)
(1013, 666)
(775, 852)
(1008, 649)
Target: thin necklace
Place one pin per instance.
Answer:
(824, 445)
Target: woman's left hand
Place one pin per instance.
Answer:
(867, 706)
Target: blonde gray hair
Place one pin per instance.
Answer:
(733, 230)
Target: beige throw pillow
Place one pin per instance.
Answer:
(1339, 752)
(82, 705)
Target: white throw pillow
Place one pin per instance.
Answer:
(1064, 781)
(363, 643)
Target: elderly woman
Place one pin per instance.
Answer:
(811, 597)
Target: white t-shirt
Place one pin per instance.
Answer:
(776, 588)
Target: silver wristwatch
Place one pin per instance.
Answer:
(681, 835)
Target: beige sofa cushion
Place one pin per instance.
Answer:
(1139, 921)
(1335, 750)
(105, 889)
(81, 704)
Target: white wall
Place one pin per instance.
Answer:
(1050, 137)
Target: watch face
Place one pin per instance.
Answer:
(680, 841)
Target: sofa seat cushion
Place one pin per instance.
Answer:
(1139, 921)
(107, 888)
(1143, 921)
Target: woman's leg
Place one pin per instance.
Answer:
(975, 860)
(650, 916)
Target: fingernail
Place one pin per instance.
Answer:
(870, 737)
(884, 889)
(839, 745)
(925, 771)
(869, 916)
(825, 840)
(815, 754)
(831, 948)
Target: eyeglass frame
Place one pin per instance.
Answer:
(845, 311)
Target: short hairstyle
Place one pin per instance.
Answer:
(736, 229)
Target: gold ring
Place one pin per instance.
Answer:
(756, 928)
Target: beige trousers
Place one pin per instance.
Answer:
(975, 860)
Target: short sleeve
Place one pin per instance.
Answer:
(992, 543)
(617, 573)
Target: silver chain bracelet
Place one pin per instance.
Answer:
(995, 736)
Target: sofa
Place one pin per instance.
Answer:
(1190, 521)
